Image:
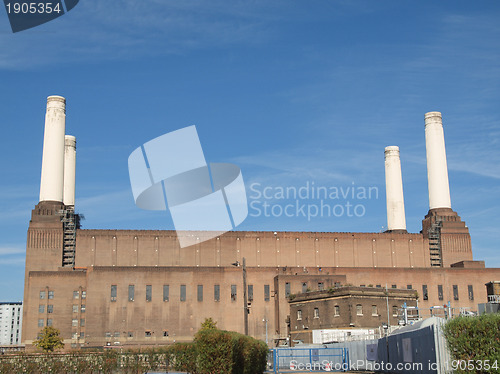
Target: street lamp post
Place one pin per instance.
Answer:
(265, 321)
(245, 296)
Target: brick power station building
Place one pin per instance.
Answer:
(139, 288)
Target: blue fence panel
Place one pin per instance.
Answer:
(310, 359)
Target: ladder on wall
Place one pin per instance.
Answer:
(435, 243)
(70, 222)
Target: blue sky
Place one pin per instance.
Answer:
(294, 92)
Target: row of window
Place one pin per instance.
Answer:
(50, 294)
(359, 311)
(425, 293)
(183, 292)
(130, 334)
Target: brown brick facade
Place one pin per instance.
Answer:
(123, 258)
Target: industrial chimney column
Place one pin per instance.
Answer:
(396, 220)
(437, 169)
(69, 170)
(51, 184)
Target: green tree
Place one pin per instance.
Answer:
(208, 324)
(49, 339)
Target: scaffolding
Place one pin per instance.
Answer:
(435, 243)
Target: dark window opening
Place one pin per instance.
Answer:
(267, 293)
(471, 292)
(440, 292)
(233, 292)
(425, 294)
(216, 292)
(287, 289)
(149, 292)
(131, 291)
(113, 292)
(166, 292)
(250, 292)
(455, 292)
(200, 292)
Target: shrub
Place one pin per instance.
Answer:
(215, 351)
(183, 357)
(474, 338)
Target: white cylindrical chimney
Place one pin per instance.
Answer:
(394, 190)
(51, 185)
(437, 169)
(69, 170)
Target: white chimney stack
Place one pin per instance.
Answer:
(437, 169)
(69, 170)
(394, 190)
(51, 185)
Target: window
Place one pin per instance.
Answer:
(147, 333)
(41, 308)
(316, 312)
(409, 287)
(166, 291)
(440, 292)
(42, 295)
(336, 284)
(82, 335)
(233, 292)
(76, 294)
(149, 292)
(216, 292)
(394, 286)
(337, 311)
(471, 292)
(74, 322)
(287, 289)
(299, 315)
(165, 333)
(304, 287)
(395, 311)
(130, 334)
(374, 311)
(75, 308)
(108, 334)
(359, 310)
(84, 294)
(425, 294)
(74, 336)
(321, 286)
(250, 292)
(183, 292)
(117, 334)
(200, 292)
(131, 292)
(50, 308)
(51, 294)
(362, 285)
(378, 286)
(83, 308)
(49, 322)
(267, 293)
(40, 323)
(113, 292)
(455, 292)
(82, 322)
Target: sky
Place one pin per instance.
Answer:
(296, 93)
